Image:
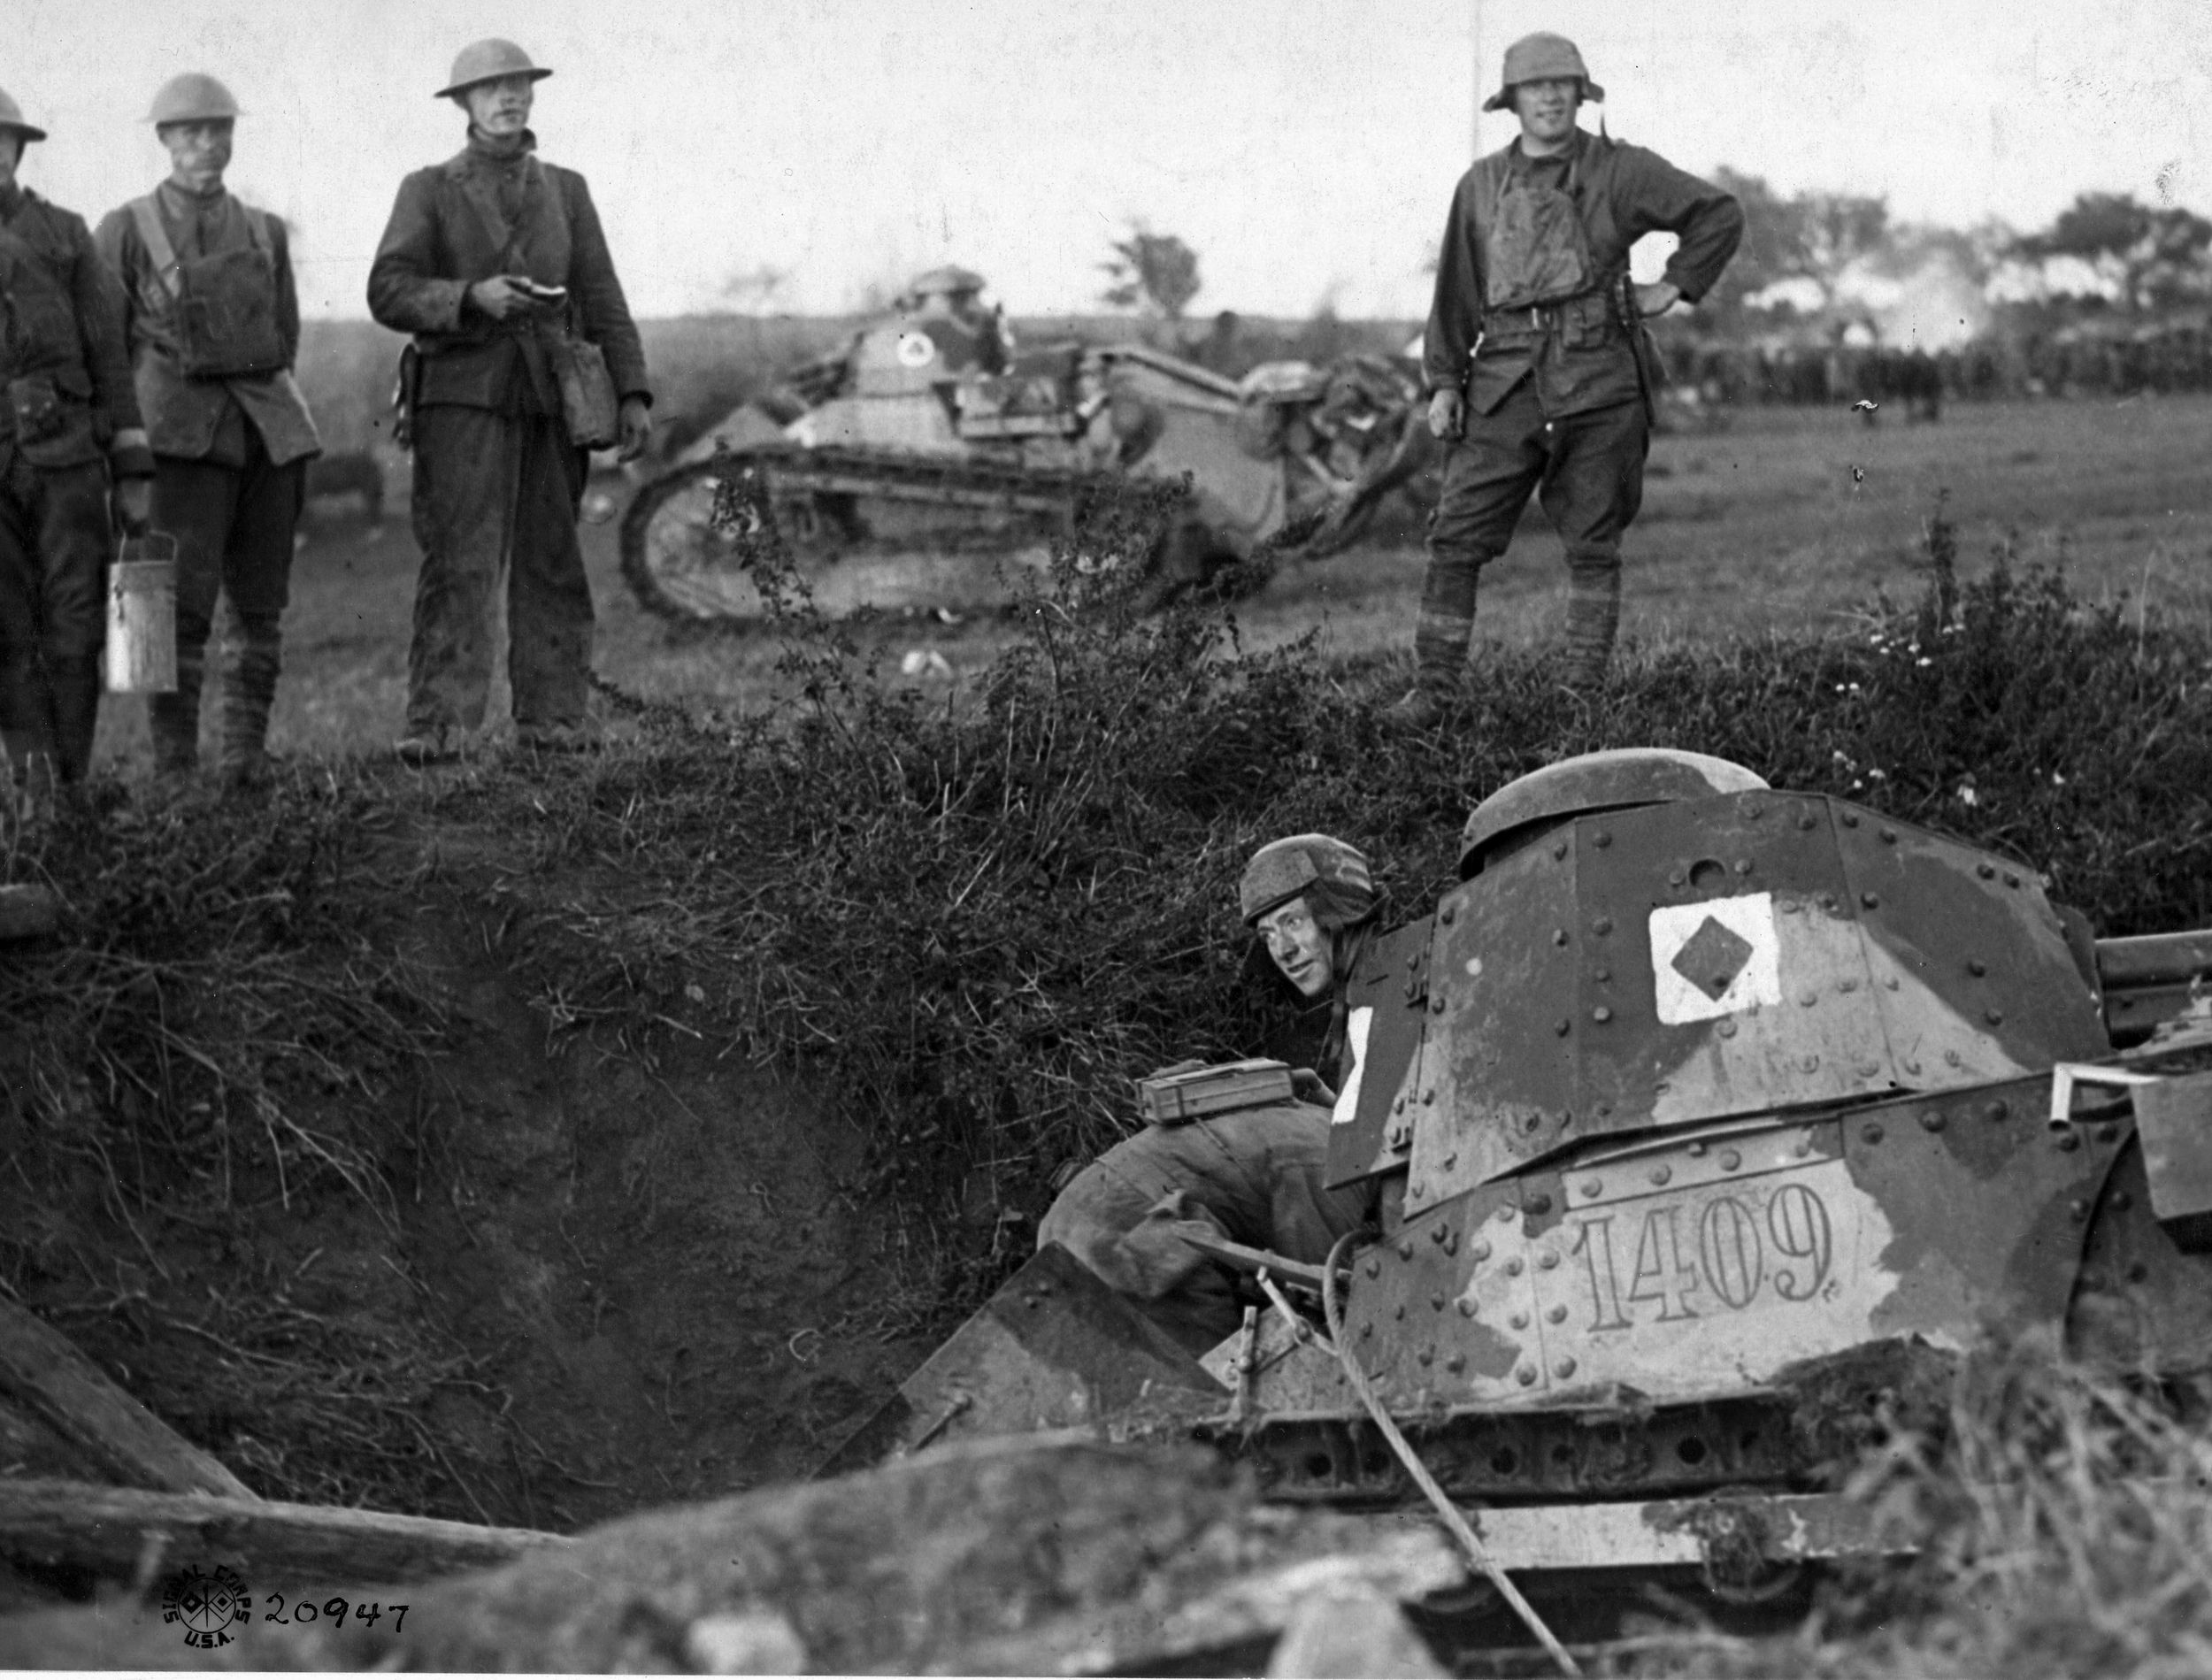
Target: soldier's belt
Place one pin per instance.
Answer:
(1520, 325)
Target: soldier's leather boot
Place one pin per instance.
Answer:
(75, 685)
(249, 691)
(173, 720)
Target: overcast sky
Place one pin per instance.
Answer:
(1306, 149)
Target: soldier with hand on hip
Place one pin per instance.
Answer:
(1541, 374)
(213, 321)
(525, 357)
(69, 421)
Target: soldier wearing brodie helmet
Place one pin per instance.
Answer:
(1540, 369)
(1254, 1175)
(214, 326)
(69, 420)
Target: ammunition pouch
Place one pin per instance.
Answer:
(224, 306)
(51, 430)
(588, 406)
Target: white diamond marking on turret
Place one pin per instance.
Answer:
(1757, 977)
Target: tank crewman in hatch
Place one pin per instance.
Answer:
(70, 420)
(1255, 1176)
(496, 264)
(1540, 370)
(213, 323)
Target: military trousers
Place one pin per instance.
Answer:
(496, 498)
(1586, 471)
(1255, 1176)
(233, 526)
(55, 537)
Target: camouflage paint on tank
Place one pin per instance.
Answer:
(1386, 1011)
(1707, 1261)
(1754, 953)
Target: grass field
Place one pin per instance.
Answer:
(1765, 525)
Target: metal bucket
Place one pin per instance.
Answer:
(143, 617)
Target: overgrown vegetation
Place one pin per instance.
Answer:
(967, 920)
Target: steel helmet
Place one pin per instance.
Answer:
(192, 97)
(487, 60)
(1540, 57)
(1605, 782)
(1285, 869)
(940, 282)
(12, 119)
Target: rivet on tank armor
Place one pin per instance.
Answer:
(1804, 1143)
(1932, 1120)
(1559, 850)
(1660, 1174)
(1466, 1307)
(1605, 1110)
(1480, 1251)
(1539, 1203)
(1405, 1248)
(1601, 974)
(1515, 1267)
(1850, 819)
(1847, 986)
(1559, 936)
(1562, 1027)
(1995, 1018)
(1557, 1315)
(1427, 1356)
(1451, 1161)
(1436, 1303)
(1518, 1321)
(1871, 901)
(1399, 1107)
(1451, 1237)
(1436, 1004)
(1374, 1268)
(2107, 1132)
(1911, 1066)
(1996, 1109)
(1506, 1214)
(1602, 925)
(1548, 1261)
(1743, 866)
(1436, 1234)
(1951, 1058)
(1976, 967)
(1525, 1376)
(1447, 915)
(1601, 1015)
(1807, 821)
(1365, 1331)
(2122, 1200)
(2069, 1140)
(2078, 1211)
(1988, 872)
(1566, 1367)
(1603, 838)
(1456, 1363)
(1428, 1099)
(2011, 879)
(1730, 1161)
(1674, 878)
(1413, 961)
(1809, 997)
(2137, 1272)
(1728, 1028)
(1399, 1311)
(1867, 1069)
(1809, 1063)
(1695, 1148)
(1889, 836)
(1870, 1133)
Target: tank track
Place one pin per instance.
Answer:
(682, 566)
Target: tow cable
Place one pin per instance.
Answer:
(1332, 1312)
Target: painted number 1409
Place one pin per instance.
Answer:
(1720, 1255)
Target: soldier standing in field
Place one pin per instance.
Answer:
(213, 324)
(69, 421)
(523, 347)
(1539, 370)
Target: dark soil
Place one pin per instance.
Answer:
(598, 1268)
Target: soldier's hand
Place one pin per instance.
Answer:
(133, 503)
(1657, 298)
(1308, 1086)
(1448, 414)
(636, 424)
(500, 297)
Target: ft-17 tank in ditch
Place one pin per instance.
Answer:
(1693, 1104)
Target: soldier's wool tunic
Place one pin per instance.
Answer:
(1527, 323)
(498, 480)
(69, 397)
(230, 450)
